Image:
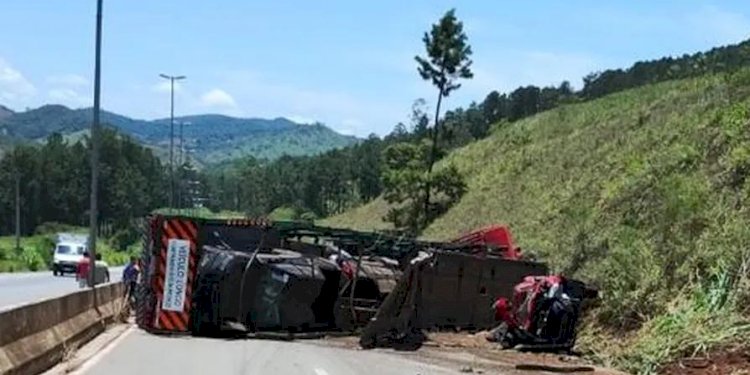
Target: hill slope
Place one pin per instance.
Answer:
(643, 193)
(211, 138)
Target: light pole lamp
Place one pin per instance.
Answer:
(171, 79)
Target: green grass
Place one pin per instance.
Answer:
(35, 253)
(366, 217)
(642, 193)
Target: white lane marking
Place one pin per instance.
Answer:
(320, 371)
(102, 353)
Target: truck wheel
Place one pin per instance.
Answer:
(54, 271)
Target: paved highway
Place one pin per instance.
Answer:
(21, 288)
(138, 352)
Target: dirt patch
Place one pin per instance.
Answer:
(729, 361)
(477, 344)
(472, 353)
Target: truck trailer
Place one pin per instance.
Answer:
(211, 277)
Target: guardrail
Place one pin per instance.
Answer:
(36, 336)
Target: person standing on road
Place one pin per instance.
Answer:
(82, 271)
(130, 277)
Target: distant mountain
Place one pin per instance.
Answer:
(209, 138)
(5, 112)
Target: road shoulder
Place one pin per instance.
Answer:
(77, 361)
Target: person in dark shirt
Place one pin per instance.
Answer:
(130, 277)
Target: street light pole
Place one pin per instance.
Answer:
(93, 210)
(182, 149)
(180, 163)
(171, 79)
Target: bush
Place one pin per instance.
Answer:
(124, 237)
(35, 254)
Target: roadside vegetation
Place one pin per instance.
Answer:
(35, 253)
(637, 184)
(643, 193)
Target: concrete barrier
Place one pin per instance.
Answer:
(36, 336)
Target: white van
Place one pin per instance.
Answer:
(66, 257)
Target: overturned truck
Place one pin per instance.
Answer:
(208, 277)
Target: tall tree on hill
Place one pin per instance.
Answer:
(447, 61)
(419, 119)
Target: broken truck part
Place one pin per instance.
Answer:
(444, 289)
(542, 315)
(206, 277)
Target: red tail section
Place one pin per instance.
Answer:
(496, 236)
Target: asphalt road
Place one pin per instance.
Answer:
(142, 353)
(21, 288)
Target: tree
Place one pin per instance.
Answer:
(399, 133)
(524, 101)
(419, 119)
(447, 61)
(404, 183)
(493, 107)
(53, 179)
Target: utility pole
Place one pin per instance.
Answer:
(180, 163)
(171, 79)
(179, 173)
(17, 175)
(93, 210)
(182, 148)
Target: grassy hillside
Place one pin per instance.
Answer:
(643, 193)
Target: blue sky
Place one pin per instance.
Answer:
(348, 64)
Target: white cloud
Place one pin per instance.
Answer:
(68, 80)
(218, 98)
(69, 97)
(14, 87)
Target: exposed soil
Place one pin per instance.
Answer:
(472, 353)
(729, 361)
(477, 344)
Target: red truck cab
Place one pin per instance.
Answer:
(495, 237)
